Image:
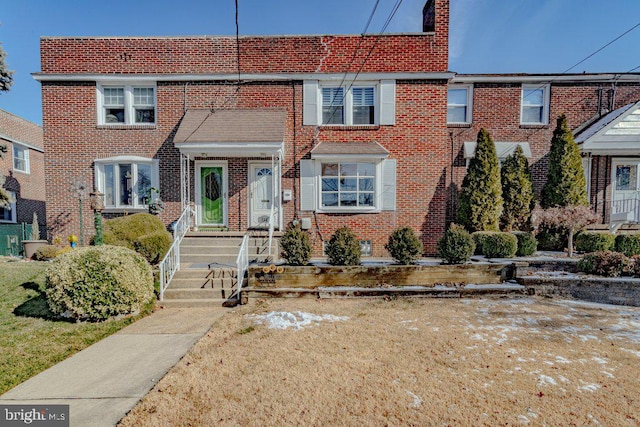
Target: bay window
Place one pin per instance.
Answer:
(126, 181)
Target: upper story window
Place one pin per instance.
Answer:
(126, 104)
(360, 104)
(348, 106)
(8, 213)
(21, 158)
(126, 181)
(534, 105)
(459, 100)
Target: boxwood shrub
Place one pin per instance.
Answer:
(500, 245)
(628, 244)
(142, 232)
(295, 246)
(456, 246)
(153, 246)
(479, 238)
(404, 246)
(527, 243)
(98, 282)
(343, 248)
(592, 241)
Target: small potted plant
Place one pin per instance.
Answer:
(34, 242)
(156, 205)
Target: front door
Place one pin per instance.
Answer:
(626, 187)
(261, 195)
(211, 194)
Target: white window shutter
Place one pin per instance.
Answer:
(387, 102)
(389, 185)
(307, 185)
(310, 103)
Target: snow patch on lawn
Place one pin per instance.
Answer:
(295, 320)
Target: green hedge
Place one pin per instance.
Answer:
(500, 245)
(343, 248)
(592, 241)
(479, 237)
(98, 282)
(628, 244)
(296, 246)
(527, 243)
(404, 246)
(142, 232)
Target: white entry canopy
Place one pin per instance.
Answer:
(616, 133)
(503, 149)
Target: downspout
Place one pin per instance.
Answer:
(185, 97)
(451, 210)
(296, 183)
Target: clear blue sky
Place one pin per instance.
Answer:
(486, 36)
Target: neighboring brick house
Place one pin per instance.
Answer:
(523, 108)
(337, 129)
(23, 172)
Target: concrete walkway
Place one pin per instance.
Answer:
(104, 381)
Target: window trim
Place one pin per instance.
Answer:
(99, 180)
(12, 209)
(129, 103)
(545, 103)
(469, 104)
(348, 103)
(27, 162)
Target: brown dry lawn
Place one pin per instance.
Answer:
(409, 362)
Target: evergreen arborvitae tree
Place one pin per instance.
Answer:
(517, 192)
(480, 201)
(565, 184)
(6, 76)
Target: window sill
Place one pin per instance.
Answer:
(350, 127)
(348, 211)
(22, 172)
(4, 221)
(459, 125)
(123, 210)
(534, 126)
(128, 127)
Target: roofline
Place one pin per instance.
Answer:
(81, 77)
(245, 36)
(544, 78)
(24, 144)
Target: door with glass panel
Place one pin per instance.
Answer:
(626, 187)
(211, 194)
(262, 192)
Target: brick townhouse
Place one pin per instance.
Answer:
(302, 123)
(23, 171)
(602, 110)
(372, 132)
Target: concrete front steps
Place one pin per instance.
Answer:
(208, 275)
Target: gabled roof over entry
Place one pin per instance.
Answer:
(617, 132)
(232, 133)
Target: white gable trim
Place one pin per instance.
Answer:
(619, 137)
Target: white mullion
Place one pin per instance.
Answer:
(348, 106)
(134, 185)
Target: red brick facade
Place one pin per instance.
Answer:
(29, 188)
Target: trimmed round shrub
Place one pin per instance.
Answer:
(552, 238)
(500, 245)
(592, 241)
(98, 282)
(479, 237)
(343, 248)
(142, 232)
(456, 246)
(44, 253)
(404, 246)
(153, 246)
(628, 244)
(604, 263)
(527, 243)
(295, 246)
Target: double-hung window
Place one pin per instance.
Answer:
(349, 106)
(8, 213)
(534, 105)
(126, 104)
(21, 158)
(126, 181)
(459, 104)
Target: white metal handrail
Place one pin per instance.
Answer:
(171, 261)
(242, 263)
(271, 227)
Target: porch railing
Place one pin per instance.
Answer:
(271, 227)
(242, 263)
(627, 205)
(171, 261)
